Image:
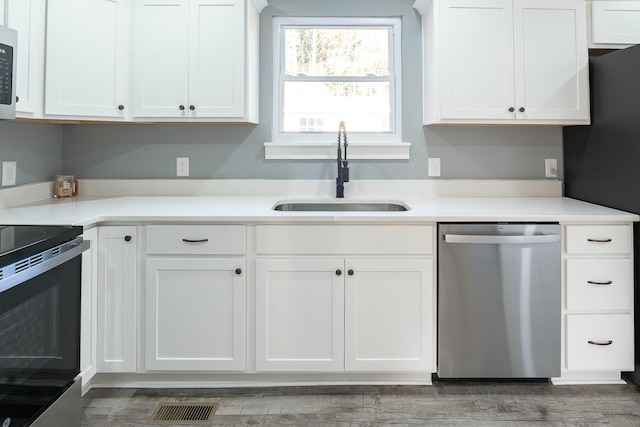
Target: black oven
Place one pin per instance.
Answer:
(40, 279)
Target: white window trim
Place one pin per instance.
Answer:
(361, 145)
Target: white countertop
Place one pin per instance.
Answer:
(89, 211)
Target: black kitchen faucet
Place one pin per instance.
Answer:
(343, 163)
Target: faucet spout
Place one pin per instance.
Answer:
(343, 163)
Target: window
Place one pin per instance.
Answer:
(328, 70)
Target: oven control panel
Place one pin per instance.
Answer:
(6, 78)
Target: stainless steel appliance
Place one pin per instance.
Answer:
(601, 160)
(40, 275)
(499, 301)
(8, 60)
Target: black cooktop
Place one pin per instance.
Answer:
(21, 241)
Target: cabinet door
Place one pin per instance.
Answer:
(389, 315)
(195, 314)
(299, 315)
(216, 58)
(117, 274)
(87, 51)
(476, 49)
(161, 55)
(616, 22)
(551, 62)
(28, 18)
(88, 308)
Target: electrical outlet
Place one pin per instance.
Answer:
(9, 170)
(434, 166)
(182, 166)
(551, 168)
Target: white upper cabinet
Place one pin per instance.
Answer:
(87, 59)
(195, 60)
(614, 24)
(505, 62)
(27, 17)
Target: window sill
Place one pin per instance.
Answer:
(327, 151)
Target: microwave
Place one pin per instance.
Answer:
(8, 43)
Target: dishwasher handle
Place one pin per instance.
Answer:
(499, 239)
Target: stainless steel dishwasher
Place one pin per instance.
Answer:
(499, 300)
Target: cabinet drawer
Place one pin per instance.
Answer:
(600, 342)
(344, 240)
(196, 239)
(599, 284)
(598, 239)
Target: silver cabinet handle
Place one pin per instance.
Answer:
(593, 282)
(195, 240)
(600, 342)
(599, 240)
(497, 239)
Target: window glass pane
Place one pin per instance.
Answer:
(320, 106)
(336, 51)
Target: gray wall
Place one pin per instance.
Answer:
(236, 151)
(36, 147)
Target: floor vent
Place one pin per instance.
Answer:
(183, 413)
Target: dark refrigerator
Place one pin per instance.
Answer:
(602, 161)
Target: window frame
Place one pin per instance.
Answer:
(365, 145)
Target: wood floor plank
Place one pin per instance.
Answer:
(443, 404)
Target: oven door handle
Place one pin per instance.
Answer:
(69, 251)
(500, 239)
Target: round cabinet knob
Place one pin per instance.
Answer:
(521, 109)
(17, 98)
(238, 271)
(127, 238)
(338, 272)
(350, 272)
(192, 107)
(120, 107)
(511, 109)
(181, 108)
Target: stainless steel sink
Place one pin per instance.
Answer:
(329, 206)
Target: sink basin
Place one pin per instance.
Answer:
(328, 206)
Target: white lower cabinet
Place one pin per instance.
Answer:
(195, 298)
(598, 303)
(349, 315)
(117, 280)
(195, 314)
(373, 311)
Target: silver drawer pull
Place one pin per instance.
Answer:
(195, 240)
(600, 342)
(599, 240)
(593, 282)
